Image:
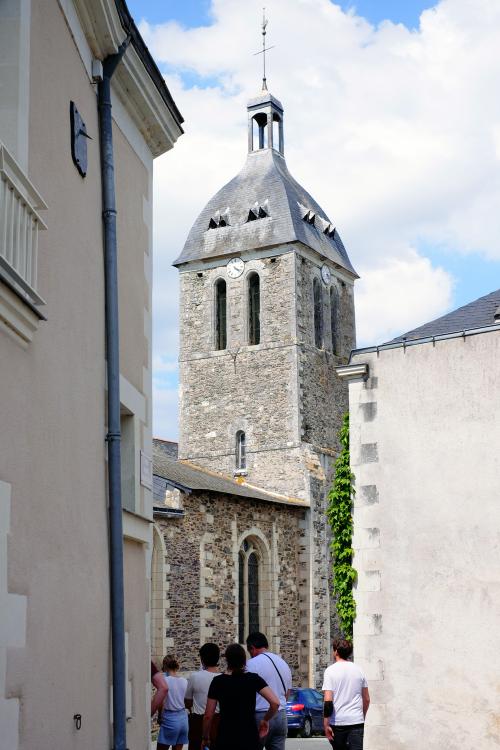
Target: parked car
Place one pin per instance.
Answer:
(304, 712)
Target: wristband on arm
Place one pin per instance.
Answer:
(327, 709)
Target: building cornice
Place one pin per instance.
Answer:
(351, 372)
(137, 81)
(463, 334)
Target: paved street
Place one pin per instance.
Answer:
(316, 743)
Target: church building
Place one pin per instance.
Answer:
(266, 316)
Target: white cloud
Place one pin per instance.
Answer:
(389, 301)
(394, 132)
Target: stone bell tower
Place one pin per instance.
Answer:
(267, 313)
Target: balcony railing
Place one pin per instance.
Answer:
(20, 223)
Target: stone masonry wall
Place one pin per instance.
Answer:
(197, 306)
(201, 555)
(249, 388)
(322, 396)
(323, 399)
(283, 466)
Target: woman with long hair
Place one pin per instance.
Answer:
(235, 691)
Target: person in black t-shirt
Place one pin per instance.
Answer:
(236, 693)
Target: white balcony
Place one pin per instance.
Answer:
(20, 223)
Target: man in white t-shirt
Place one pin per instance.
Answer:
(346, 700)
(276, 672)
(196, 694)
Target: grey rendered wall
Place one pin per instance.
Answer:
(53, 421)
(424, 436)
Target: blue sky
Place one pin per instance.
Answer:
(405, 157)
(192, 13)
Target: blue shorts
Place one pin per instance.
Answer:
(174, 728)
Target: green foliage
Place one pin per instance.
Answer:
(339, 514)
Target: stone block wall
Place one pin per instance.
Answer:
(280, 470)
(322, 396)
(229, 392)
(201, 574)
(197, 306)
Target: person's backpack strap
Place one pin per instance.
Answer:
(279, 673)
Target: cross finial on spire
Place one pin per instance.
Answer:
(264, 24)
(264, 48)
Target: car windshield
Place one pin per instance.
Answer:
(293, 696)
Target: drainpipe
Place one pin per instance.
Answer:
(113, 436)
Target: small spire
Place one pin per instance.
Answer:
(264, 48)
(264, 25)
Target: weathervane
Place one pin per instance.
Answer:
(264, 48)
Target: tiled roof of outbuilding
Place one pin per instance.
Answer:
(188, 476)
(265, 177)
(477, 314)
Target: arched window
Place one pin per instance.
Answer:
(277, 133)
(254, 309)
(248, 590)
(253, 593)
(241, 455)
(318, 313)
(259, 137)
(220, 314)
(334, 319)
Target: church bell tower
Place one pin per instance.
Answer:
(266, 314)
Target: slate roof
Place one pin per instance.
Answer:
(128, 25)
(265, 176)
(477, 314)
(168, 447)
(187, 476)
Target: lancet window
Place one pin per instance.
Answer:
(241, 456)
(249, 574)
(318, 313)
(220, 314)
(334, 319)
(253, 309)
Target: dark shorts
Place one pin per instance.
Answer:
(348, 737)
(195, 730)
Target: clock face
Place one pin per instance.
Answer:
(326, 274)
(235, 268)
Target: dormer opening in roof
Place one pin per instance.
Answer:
(258, 211)
(219, 219)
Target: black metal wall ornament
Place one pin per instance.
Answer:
(79, 138)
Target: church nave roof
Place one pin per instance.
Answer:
(187, 476)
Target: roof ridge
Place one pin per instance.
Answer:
(475, 304)
(241, 483)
